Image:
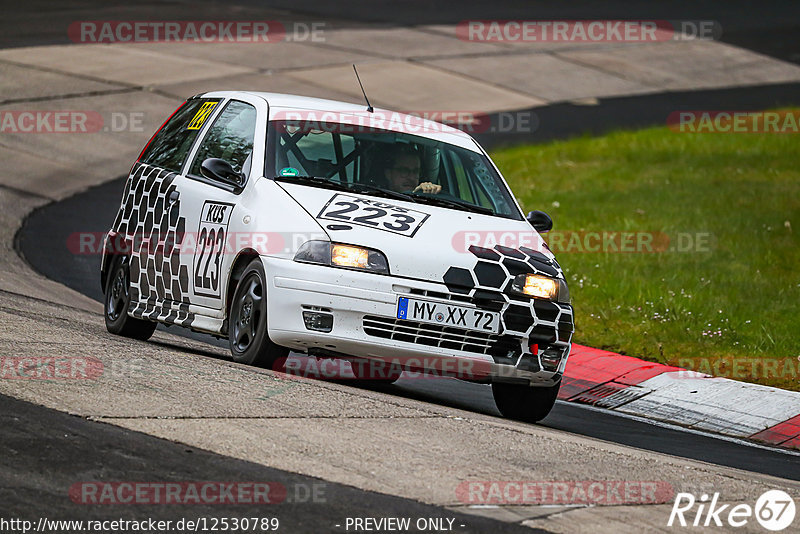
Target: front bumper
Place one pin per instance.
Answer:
(364, 306)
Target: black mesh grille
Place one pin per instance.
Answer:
(446, 337)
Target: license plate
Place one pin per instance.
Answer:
(424, 311)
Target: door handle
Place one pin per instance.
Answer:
(173, 197)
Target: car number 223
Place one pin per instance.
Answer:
(373, 214)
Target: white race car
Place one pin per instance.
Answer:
(291, 223)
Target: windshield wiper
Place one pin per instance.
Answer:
(319, 181)
(451, 203)
(365, 189)
(380, 191)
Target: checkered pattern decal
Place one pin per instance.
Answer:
(536, 321)
(154, 230)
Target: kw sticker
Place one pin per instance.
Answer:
(200, 117)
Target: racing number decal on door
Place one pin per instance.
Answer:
(373, 214)
(211, 239)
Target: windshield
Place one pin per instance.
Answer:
(385, 163)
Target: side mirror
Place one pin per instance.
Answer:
(221, 171)
(540, 221)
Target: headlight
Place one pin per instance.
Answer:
(349, 256)
(541, 287)
(534, 285)
(341, 255)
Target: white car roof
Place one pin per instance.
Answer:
(348, 112)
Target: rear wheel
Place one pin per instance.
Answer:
(118, 301)
(250, 344)
(524, 403)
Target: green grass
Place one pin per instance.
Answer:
(738, 298)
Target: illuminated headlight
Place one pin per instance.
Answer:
(541, 287)
(340, 255)
(350, 256)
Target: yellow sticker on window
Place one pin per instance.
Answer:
(200, 117)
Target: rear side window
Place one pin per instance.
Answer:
(170, 146)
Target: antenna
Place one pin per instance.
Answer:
(369, 106)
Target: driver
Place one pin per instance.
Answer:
(403, 172)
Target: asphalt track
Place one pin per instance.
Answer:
(70, 449)
(767, 27)
(43, 239)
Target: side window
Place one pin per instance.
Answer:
(464, 188)
(169, 147)
(229, 138)
(486, 191)
(315, 147)
(316, 153)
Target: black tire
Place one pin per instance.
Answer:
(524, 403)
(118, 301)
(247, 332)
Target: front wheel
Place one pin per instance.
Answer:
(524, 403)
(118, 301)
(250, 344)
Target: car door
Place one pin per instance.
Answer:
(151, 217)
(210, 204)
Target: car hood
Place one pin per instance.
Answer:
(438, 239)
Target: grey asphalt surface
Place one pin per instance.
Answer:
(565, 120)
(768, 27)
(71, 450)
